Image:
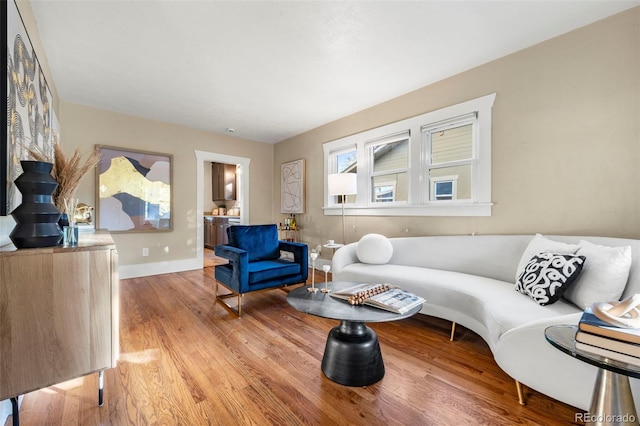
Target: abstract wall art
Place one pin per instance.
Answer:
(30, 119)
(133, 190)
(292, 187)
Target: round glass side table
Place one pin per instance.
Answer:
(612, 400)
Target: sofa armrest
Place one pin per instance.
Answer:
(239, 262)
(229, 252)
(300, 252)
(343, 257)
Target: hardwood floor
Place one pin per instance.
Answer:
(188, 361)
(210, 259)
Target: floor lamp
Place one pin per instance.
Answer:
(343, 184)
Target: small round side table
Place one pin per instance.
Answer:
(334, 247)
(612, 400)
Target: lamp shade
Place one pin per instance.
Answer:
(342, 183)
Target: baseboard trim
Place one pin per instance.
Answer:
(157, 268)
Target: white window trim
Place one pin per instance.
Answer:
(480, 205)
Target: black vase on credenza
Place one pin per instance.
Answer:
(36, 217)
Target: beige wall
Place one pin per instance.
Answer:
(566, 141)
(85, 127)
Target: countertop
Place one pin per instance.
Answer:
(95, 240)
(227, 216)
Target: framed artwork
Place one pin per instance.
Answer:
(133, 190)
(292, 187)
(30, 119)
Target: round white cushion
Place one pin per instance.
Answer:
(375, 249)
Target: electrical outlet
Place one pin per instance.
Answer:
(145, 251)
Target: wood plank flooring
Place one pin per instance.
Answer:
(210, 259)
(188, 361)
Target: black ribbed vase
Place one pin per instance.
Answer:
(37, 217)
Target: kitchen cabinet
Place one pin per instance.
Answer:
(59, 314)
(223, 181)
(209, 232)
(221, 225)
(215, 230)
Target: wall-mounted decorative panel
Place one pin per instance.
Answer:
(292, 187)
(133, 190)
(30, 119)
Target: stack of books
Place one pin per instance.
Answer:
(601, 338)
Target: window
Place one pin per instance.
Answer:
(435, 164)
(449, 150)
(444, 188)
(389, 160)
(344, 161)
(384, 193)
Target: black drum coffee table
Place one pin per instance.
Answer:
(352, 354)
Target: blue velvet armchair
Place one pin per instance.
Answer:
(255, 262)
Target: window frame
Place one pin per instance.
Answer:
(331, 166)
(429, 165)
(372, 174)
(418, 203)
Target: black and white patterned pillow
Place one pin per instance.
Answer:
(547, 276)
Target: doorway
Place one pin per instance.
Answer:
(204, 159)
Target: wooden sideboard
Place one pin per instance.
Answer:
(59, 313)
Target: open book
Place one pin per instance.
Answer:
(382, 296)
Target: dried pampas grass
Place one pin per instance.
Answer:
(67, 171)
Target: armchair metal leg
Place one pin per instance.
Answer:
(521, 400)
(222, 299)
(100, 388)
(15, 411)
(453, 331)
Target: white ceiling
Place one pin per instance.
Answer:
(274, 69)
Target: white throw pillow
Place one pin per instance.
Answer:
(540, 244)
(603, 277)
(375, 249)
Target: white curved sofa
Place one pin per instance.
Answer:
(469, 280)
